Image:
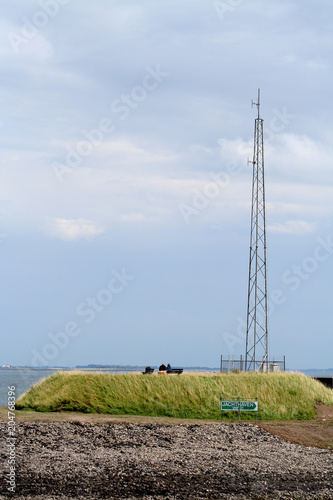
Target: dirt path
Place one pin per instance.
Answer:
(317, 432)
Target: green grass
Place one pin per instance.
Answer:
(191, 395)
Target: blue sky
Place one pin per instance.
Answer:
(125, 194)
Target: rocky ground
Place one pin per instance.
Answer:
(78, 460)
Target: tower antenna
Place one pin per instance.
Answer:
(256, 356)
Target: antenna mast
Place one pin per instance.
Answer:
(256, 356)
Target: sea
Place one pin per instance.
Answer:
(21, 378)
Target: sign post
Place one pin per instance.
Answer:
(236, 404)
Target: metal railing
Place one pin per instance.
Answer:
(230, 364)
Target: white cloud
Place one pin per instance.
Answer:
(72, 229)
(296, 227)
(300, 158)
(315, 64)
(236, 150)
(133, 217)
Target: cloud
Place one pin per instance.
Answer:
(311, 64)
(72, 229)
(133, 217)
(295, 227)
(299, 158)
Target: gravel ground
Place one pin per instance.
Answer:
(152, 462)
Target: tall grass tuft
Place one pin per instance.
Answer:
(191, 395)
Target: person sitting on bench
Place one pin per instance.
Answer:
(162, 368)
(148, 370)
(168, 368)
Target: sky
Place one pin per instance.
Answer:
(125, 191)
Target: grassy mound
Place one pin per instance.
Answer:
(192, 395)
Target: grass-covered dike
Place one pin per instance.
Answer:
(191, 395)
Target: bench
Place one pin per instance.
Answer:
(176, 371)
(148, 371)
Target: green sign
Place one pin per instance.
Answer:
(230, 405)
(239, 405)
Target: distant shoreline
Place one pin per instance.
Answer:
(91, 368)
(311, 372)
